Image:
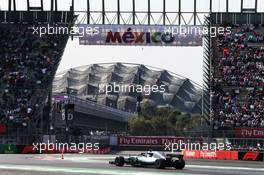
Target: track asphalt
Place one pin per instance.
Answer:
(83, 164)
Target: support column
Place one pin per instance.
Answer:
(88, 12)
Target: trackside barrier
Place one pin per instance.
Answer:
(250, 156)
(227, 155)
(100, 151)
(206, 154)
(194, 154)
(29, 149)
(92, 151)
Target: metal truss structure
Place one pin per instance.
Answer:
(207, 75)
(133, 16)
(147, 16)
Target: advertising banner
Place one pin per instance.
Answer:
(29, 149)
(249, 132)
(250, 156)
(194, 154)
(144, 35)
(147, 141)
(8, 149)
(207, 154)
(227, 155)
(59, 98)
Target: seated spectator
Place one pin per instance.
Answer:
(238, 83)
(26, 70)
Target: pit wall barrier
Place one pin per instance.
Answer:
(224, 155)
(29, 149)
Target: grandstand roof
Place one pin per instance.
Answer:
(180, 92)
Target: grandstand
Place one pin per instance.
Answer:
(28, 65)
(84, 82)
(238, 78)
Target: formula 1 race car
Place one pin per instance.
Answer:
(152, 158)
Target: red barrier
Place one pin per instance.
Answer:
(227, 155)
(195, 154)
(223, 155)
(3, 128)
(206, 154)
(30, 150)
(100, 151)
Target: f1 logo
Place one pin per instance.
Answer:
(251, 156)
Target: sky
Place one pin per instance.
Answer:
(185, 61)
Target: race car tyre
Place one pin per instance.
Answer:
(133, 162)
(119, 161)
(179, 164)
(160, 163)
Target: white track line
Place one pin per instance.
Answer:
(89, 171)
(82, 159)
(224, 167)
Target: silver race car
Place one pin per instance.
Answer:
(152, 158)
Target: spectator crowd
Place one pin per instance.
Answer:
(28, 63)
(238, 78)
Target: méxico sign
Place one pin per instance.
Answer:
(145, 35)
